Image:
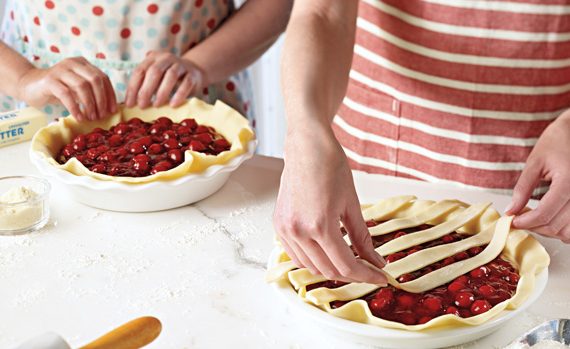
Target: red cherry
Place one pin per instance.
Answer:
(464, 299)
(175, 155)
(79, 145)
(452, 310)
(68, 151)
(135, 122)
(155, 149)
(433, 304)
(395, 256)
(448, 239)
(115, 140)
(424, 319)
(146, 141)
(157, 129)
(160, 167)
(190, 123)
(400, 234)
(461, 256)
(136, 148)
(370, 224)
(96, 138)
(407, 318)
(487, 291)
(171, 144)
(462, 279)
(337, 304)
(197, 146)
(122, 129)
(164, 121)
(480, 306)
(386, 293)
(99, 168)
(169, 135)
(512, 278)
(141, 162)
(183, 131)
(379, 305)
(107, 157)
(480, 272)
(406, 277)
(464, 313)
(448, 261)
(405, 300)
(201, 129)
(473, 251)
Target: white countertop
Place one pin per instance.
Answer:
(199, 269)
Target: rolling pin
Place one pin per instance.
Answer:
(132, 335)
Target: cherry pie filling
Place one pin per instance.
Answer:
(136, 148)
(468, 295)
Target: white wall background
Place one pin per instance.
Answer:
(268, 102)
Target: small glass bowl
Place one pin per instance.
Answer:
(26, 216)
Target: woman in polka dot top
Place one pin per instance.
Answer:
(82, 56)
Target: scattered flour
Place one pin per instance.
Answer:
(545, 344)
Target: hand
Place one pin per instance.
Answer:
(159, 75)
(317, 192)
(75, 83)
(549, 160)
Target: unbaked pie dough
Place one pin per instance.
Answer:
(228, 122)
(482, 224)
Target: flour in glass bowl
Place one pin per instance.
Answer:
(18, 209)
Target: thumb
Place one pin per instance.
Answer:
(528, 180)
(360, 237)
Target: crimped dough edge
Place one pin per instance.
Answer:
(228, 122)
(521, 249)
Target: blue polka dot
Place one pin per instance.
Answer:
(45, 66)
(65, 113)
(187, 15)
(113, 46)
(125, 56)
(77, 53)
(205, 11)
(203, 35)
(6, 105)
(195, 25)
(65, 40)
(214, 2)
(138, 44)
(62, 17)
(125, 10)
(112, 23)
(84, 1)
(166, 20)
(111, 1)
(41, 43)
(88, 45)
(48, 109)
(185, 38)
(71, 9)
(174, 51)
(138, 21)
(100, 35)
(121, 87)
(164, 43)
(152, 32)
(51, 27)
(177, 7)
(84, 22)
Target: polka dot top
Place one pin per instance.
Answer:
(115, 35)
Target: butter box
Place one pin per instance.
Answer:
(20, 125)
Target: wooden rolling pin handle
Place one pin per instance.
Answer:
(132, 335)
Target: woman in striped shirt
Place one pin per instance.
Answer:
(472, 93)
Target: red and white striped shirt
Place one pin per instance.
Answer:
(454, 91)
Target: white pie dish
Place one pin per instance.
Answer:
(146, 197)
(393, 338)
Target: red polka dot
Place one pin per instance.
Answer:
(100, 55)
(12, 15)
(54, 49)
(245, 107)
(211, 23)
(75, 31)
(36, 58)
(26, 38)
(125, 33)
(175, 29)
(152, 8)
(98, 10)
(50, 5)
(205, 91)
(199, 3)
(37, 20)
(230, 86)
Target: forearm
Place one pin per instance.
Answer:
(316, 62)
(242, 39)
(12, 67)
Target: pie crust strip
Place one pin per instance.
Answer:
(434, 232)
(386, 208)
(427, 282)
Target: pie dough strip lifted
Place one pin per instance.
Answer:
(407, 241)
(380, 211)
(321, 296)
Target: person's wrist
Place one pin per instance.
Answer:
(199, 74)
(23, 81)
